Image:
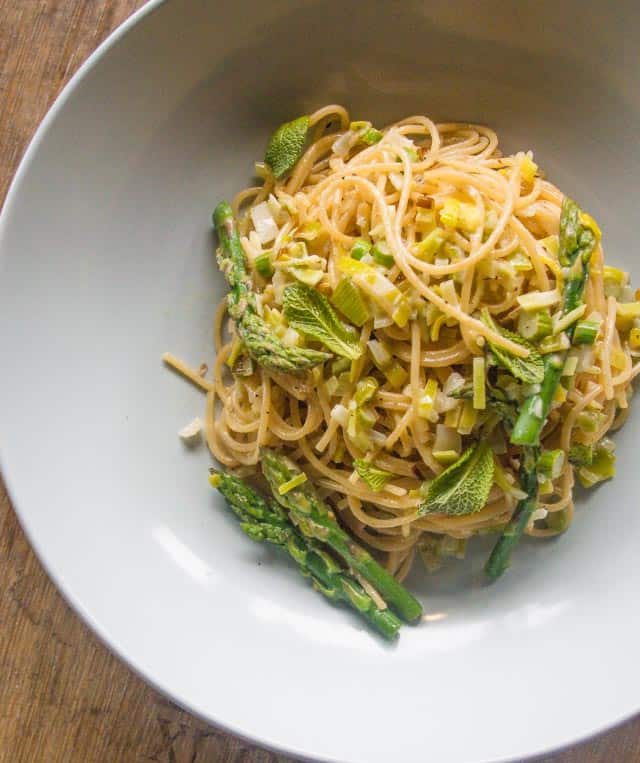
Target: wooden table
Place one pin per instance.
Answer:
(63, 696)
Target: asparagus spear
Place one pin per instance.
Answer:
(262, 521)
(577, 242)
(315, 520)
(261, 343)
(500, 557)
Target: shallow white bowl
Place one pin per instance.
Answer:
(107, 262)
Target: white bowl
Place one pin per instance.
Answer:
(107, 262)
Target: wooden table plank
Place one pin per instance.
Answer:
(63, 696)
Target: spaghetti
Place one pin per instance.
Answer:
(454, 228)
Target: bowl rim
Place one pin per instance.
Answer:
(80, 609)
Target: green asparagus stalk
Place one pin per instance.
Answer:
(316, 520)
(578, 239)
(263, 521)
(261, 343)
(577, 242)
(500, 557)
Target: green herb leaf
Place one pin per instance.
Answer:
(309, 312)
(462, 488)
(529, 370)
(375, 478)
(286, 146)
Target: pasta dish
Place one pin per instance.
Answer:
(421, 343)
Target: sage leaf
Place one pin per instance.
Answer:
(286, 146)
(462, 488)
(529, 370)
(309, 312)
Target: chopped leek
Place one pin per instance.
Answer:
(479, 388)
(467, 418)
(580, 454)
(446, 457)
(365, 390)
(551, 463)
(459, 214)
(447, 439)
(396, 376)
(427, 248)
(556, 343)
(348, 299)
(340, 365)
(538, 300)
(562, 321)
(379, 354)
(371, 136)
(570, 365)
(535, 326)
(360, 248)
(626, 313)
(308, 276)
(588, 421)
(382, 256)
(425, 220)
(585, 332)
(294, 482)
(601, 468)
(557, 520)
(379, 288)
(427, 399)
(263, 265)
(520, 262)
(528, 169)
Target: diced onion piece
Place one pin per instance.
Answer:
(263, 222)
(191, 434)
(339, 414)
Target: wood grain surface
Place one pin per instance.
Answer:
(63, 696)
